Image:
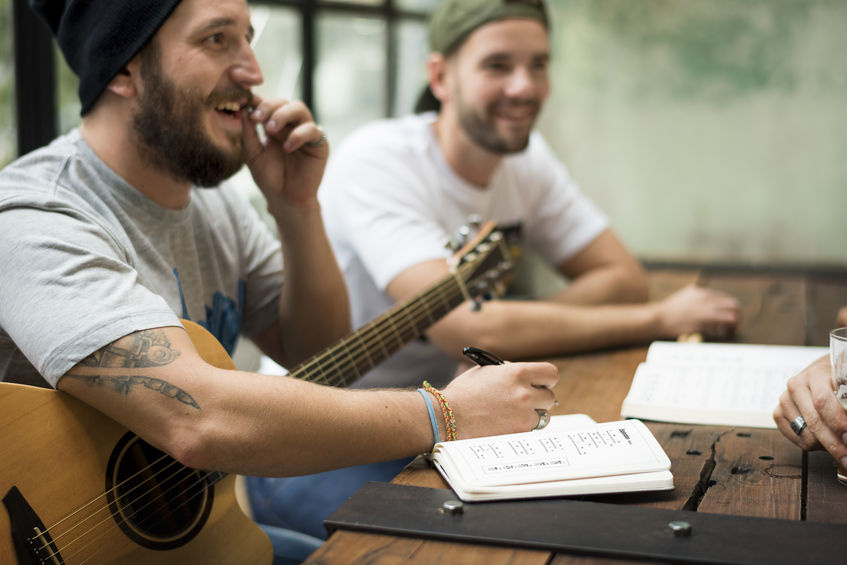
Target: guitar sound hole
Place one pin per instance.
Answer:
(156, 501)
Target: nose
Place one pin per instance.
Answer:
(246, 71)
(522, 83)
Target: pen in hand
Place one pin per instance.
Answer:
(482, 357)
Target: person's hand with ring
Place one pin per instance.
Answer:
(810, 415)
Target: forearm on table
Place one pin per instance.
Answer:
(534, 329)
(615, 284)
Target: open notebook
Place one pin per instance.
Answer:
(714, 383)
(573, 455)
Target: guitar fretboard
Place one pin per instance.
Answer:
(346, 361)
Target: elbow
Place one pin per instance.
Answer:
(191, 447)
(634, 287)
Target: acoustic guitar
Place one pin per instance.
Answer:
(80, 488)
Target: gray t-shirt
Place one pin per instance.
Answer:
(86, 259)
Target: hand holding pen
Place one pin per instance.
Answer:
(482, 358)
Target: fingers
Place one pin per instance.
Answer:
(809, 394)
(785, 413)
(500, 399)
(289, 123)
(841, 321)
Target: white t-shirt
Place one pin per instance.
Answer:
(391, 201)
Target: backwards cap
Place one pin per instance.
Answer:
(99, 37)
(454, 20)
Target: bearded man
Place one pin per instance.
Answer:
(116, 230)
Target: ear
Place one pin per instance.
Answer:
(436, 69)
(124, 84)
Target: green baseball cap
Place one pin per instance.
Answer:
(453, 20)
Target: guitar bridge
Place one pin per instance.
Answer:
(33, 544)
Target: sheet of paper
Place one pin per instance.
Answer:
(611, 448)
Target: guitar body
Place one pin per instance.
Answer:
(63, 456)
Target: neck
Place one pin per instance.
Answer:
(112, 140)
(471, 162)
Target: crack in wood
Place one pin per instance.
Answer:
(705, 481)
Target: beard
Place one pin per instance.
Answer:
(483, 132)
(168, 125)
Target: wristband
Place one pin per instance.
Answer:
(435, 434)
(446, 411)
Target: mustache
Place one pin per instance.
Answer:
(229, 95)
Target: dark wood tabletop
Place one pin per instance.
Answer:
(738, 471)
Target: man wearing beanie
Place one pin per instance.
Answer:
(116, 230)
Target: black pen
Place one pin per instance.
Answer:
(481, 357)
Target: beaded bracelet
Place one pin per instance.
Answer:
(446, 411)
(435, 433)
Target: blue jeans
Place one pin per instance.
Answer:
(302, 503)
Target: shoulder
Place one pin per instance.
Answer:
(40, 171)
(396, 136)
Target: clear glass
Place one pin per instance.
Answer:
(350, 73)
(838, 358)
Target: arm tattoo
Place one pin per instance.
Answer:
(144, 349)
(123, 384)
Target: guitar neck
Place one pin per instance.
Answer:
(345, 362)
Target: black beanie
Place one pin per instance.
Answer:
(99, 37)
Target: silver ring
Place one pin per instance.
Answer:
(543, 419)
(798, 424)
(318, 142)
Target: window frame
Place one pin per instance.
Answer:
(36, 94)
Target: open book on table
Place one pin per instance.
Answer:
(725, 384)
(573, 455)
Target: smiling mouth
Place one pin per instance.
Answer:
(231, 108)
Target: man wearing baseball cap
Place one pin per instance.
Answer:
(115, 231)
(399, 189)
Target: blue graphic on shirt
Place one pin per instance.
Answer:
(223, 318)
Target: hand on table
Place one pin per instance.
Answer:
(694, 309)
(810, 394)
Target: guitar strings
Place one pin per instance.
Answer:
(446, 290)
(127, 541)
(376, 330)
(97, 510)
(127, 517)
(154, 482)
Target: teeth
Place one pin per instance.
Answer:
(230, 106)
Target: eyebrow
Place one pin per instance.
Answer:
(223, 22)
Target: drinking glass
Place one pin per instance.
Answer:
(838, 358)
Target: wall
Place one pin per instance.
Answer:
(708, 130)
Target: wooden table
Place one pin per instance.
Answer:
(726, 470)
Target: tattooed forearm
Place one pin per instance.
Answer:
(123, 384)
(147, 348)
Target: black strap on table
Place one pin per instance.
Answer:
(591, 528)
